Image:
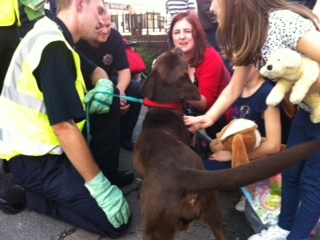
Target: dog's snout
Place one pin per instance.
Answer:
(269, 67)
(177, 51)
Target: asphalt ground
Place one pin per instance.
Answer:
(29, 225)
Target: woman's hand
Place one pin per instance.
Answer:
(221, 156)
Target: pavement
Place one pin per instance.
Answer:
(29, 225)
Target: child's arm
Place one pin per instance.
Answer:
(224, 101)
(272, 144)
(309, 45)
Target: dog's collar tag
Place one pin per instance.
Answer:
(150, 103)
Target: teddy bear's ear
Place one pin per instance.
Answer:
(292, 59)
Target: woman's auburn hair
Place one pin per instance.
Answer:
(243, 26)
(198, 34)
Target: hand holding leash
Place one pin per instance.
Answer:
(98, 99)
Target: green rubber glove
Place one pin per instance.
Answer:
(110, 199)
(98, 99)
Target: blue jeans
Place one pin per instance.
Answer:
(215, 165)
(300, 208)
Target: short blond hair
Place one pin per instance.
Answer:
(64, 4)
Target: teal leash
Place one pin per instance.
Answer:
(88, 124)
(128, 98)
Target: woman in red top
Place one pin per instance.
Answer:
(205, 66)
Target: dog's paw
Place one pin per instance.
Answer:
(274, 98)
(315, 118)
(296, 97)
(315, 115)
(298, 93)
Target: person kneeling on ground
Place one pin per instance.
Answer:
(42, 109)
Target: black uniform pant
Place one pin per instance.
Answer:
(108, 129)
(55, 188)
(129, 120)
(105, 137)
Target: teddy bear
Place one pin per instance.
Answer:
(240, 137)
(293, 72)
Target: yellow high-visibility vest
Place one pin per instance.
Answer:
(24, 124)
(9, 13)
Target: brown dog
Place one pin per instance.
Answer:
(176, 188)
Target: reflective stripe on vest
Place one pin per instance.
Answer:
(24, 124)
(9, 13)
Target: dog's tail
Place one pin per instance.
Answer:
(231, 179)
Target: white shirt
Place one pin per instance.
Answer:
(285, 30)
(174, 7)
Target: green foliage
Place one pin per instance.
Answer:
(149, 52)
(148, 56)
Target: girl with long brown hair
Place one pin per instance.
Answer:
(250, 30)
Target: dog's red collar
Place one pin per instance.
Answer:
(150, 103)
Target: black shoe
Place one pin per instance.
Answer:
(12, 196)
(128, 145)
(11, 208)
(121, 178)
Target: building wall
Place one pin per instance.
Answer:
(139, 6)
(137, 18)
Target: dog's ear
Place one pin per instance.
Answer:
(149, 85)
(187, 90)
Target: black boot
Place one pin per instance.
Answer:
(12, 195)
(5, 166)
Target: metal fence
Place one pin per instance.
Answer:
(149, 23)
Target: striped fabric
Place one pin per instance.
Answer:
(174, 7)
